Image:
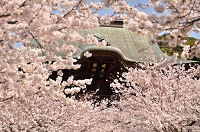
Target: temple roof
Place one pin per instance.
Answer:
(131, 46)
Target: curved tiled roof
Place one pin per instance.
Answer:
(131, 46)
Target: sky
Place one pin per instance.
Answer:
(130, 2)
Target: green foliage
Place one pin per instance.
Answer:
(169, 50)
(190, 41)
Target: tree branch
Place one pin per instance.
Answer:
(41, 47)
(5, 99)
(4, 15)
(12, 22)
(34, 16)
(181, 16)
(73, 8)
(23, 4)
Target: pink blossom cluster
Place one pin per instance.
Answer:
(162, 100)
(30, 101)
(152, 100)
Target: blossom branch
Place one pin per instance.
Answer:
(41, 47)
(34, 16)
(4, 15)
(73, 8)
(23, 4)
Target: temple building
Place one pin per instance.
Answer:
(124, 49)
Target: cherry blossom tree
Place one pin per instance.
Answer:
(166, 99)
(29, 100)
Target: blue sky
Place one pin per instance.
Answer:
(130, 2)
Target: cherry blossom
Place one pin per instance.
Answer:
(155, 98)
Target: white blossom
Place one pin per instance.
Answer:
(87, 54)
